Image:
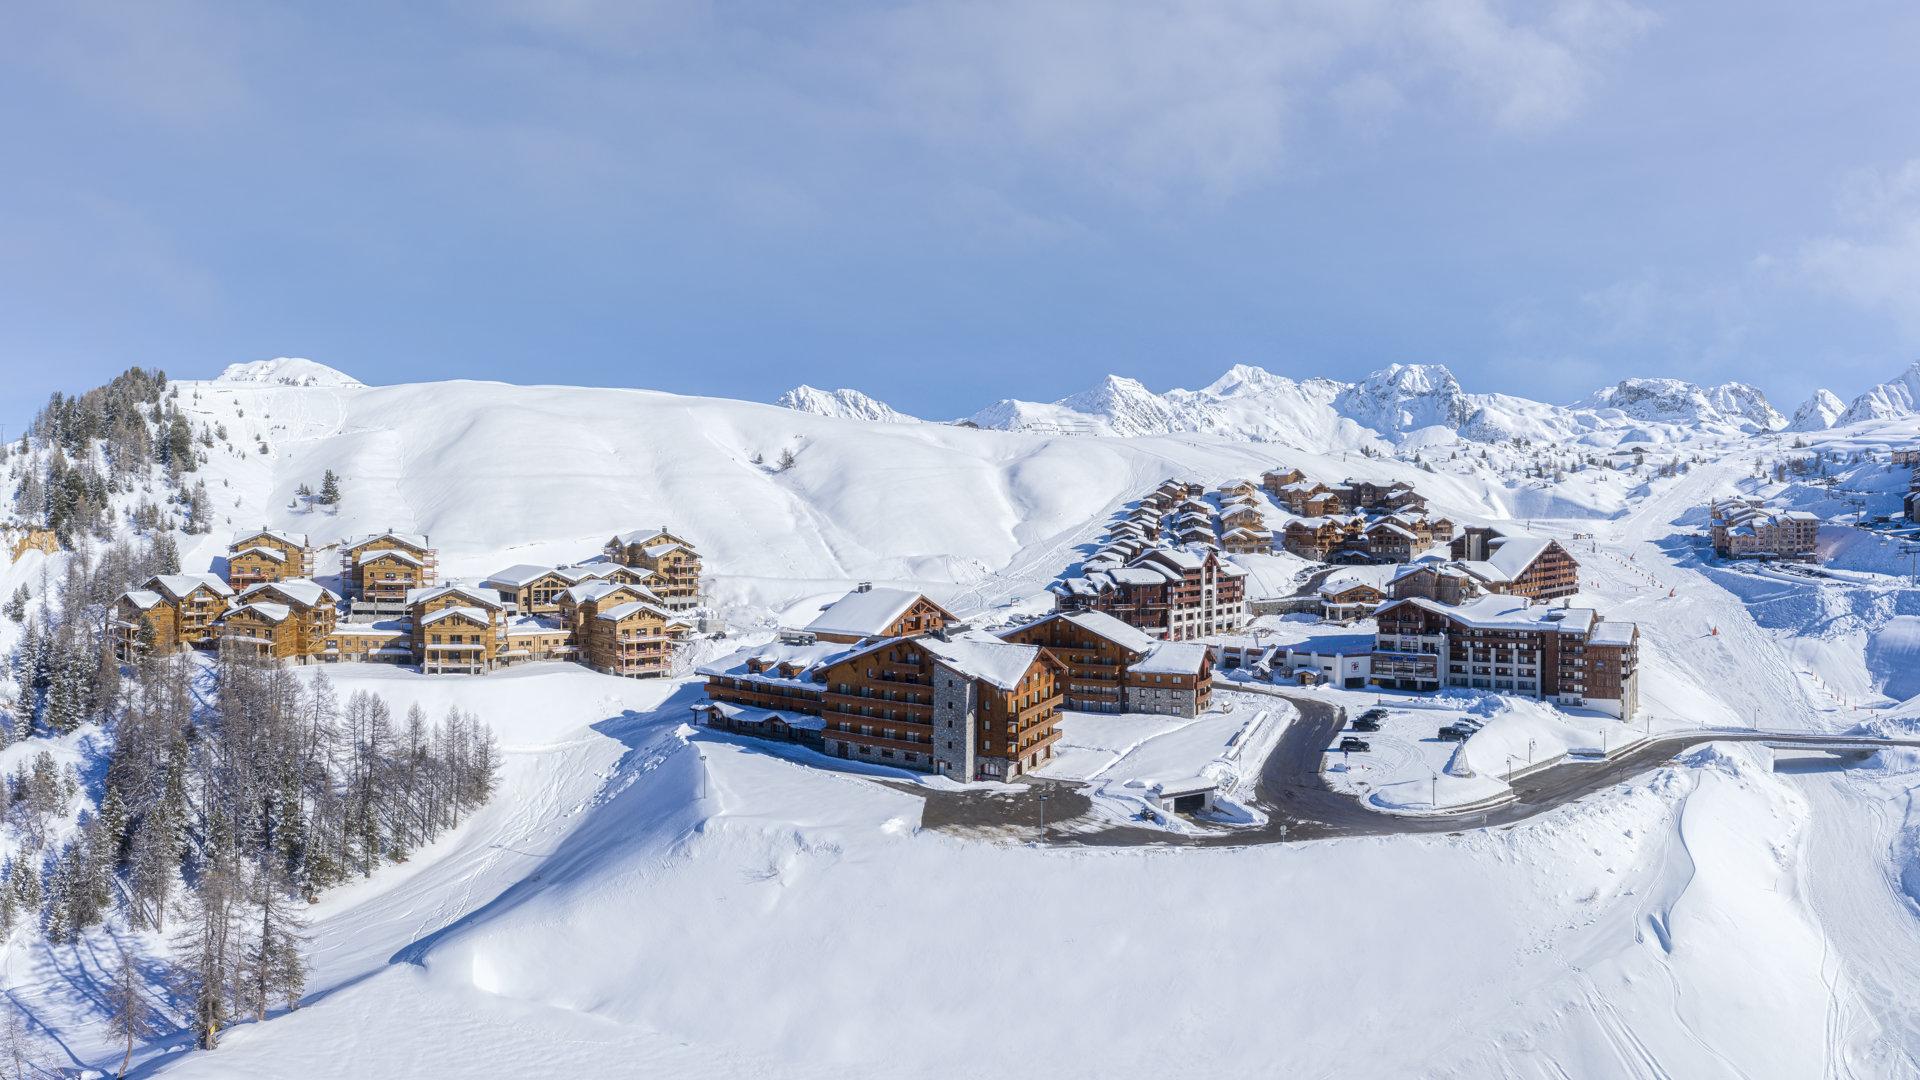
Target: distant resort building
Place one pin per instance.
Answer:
(1752, 529)
(1177, 594)
(601, 613)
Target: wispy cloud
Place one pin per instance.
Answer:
(1874, 259)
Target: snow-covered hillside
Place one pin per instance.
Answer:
(286, 371)
(643, 896)
(1398, 403)
(1818, 413)
(843, 403)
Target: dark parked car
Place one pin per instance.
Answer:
(1366, 723)
(1453, 734)
(1374, 714)
(1354, 746)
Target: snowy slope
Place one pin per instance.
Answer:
(843, 403)
(286, 371)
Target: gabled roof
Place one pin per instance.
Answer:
(413, 540)
(465, 592)
(1511, 555)
(142, 598)
(621, 611)
(298, 540)
(517, 576)
(178, 586)
(865, 614)
(273, 613)
(300, 591)
(979, 655)
(1173, 658)
(1498, 611)
(476, 614)
(1100, 624)
(264, 552)
(396, 554)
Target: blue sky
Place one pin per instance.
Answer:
(944, 202)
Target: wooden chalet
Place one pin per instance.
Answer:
(867, 613)
(268, 555)
(456, 629)
(673, 562)
(170, 612)
(381, 570)
(291, 619)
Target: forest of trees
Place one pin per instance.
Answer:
(225, 795)
(80, 451)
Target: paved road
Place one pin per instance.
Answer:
(1299, 805)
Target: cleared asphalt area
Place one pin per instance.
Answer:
(1296, 799)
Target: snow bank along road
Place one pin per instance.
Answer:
(1301, 806)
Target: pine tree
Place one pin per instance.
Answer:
(203, 947)
(329, 489)
(273, 969)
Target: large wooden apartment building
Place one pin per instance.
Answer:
(964, 704)
(1113, 667)
(1504, 643)
(867, 613)
(673, 562)
(1173, 593)
(268, 555)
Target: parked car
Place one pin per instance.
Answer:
(1366, 723)
(1453, 734)
(1468, 723)
(1374, 714)
(1354, 746)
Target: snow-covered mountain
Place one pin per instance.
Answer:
(1679, 402)
(287, 371)
(843, 403)
(1401, 403)
(1899, 397)
(1818, 413)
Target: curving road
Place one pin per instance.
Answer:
(1300, 806)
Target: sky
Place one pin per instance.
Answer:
(947, 202)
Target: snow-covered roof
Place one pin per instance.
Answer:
(750, 715)
(396, 554)
(377, 628)
(534, 624)
(466, 592)
(982, 656)
(273, 613)
(179, 586)
(142, 598)
(517, 576)
(1142, 575)
(302, 591)
(416, 540)
(1612, 632)
(1173, 658)
(298, 540)
(1511, 555)
(264, 552)
(476, 614)
(621, 611)
(770, 654)
(1102, 624)
(1497, 611)
(864, 614)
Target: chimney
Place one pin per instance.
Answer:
(865, 586)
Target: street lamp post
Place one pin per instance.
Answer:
(1043, 814)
